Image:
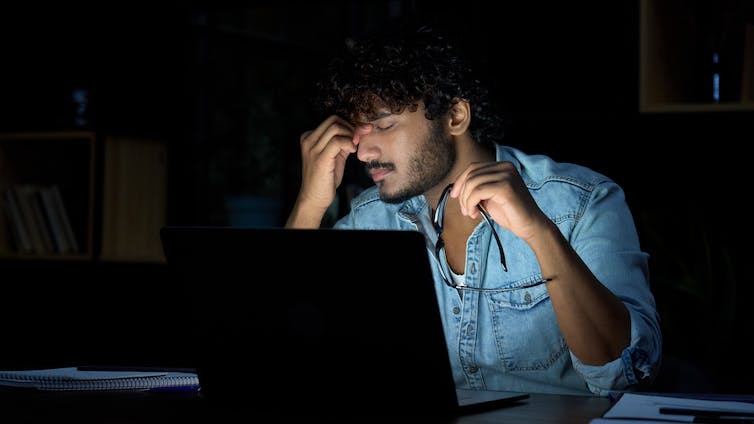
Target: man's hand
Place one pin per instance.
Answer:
(324, 151)
(499, 187)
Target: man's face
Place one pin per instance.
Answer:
(406, 154)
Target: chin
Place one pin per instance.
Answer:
(393, 196)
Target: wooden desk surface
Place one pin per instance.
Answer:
(30, 406)
(544, 409)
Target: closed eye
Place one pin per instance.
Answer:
(385, 128)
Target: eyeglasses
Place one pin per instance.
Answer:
(440, 245)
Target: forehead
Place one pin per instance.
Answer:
(380, 111)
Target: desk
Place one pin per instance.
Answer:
(30, 406)
(544, 409)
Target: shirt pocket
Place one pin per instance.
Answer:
(527, 335)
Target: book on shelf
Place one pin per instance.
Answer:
(38, 220)
(21, 237)
(23, 195)
(54, 218)
(64, 217)
(102, 378)
(34, 218)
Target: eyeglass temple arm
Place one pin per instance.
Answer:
(487, 218)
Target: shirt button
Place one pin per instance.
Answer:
(456, 310)
(527, 297)
(473, 268)
(473, 369)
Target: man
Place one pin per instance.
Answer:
(539, 275)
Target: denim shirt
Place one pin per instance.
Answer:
(511, 340)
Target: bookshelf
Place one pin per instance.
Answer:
(678, 40)
(112, 188)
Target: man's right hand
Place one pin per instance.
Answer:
(324, 151)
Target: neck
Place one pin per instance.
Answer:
(468, 151)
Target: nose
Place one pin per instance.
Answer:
(367, 148)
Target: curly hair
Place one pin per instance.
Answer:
(397, 71)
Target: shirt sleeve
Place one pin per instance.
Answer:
(606, 239)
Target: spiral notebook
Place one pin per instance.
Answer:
(101, 379)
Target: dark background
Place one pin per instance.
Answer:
(228, 88)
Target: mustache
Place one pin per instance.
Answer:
(379, 165)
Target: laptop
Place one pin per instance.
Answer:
(318, 322)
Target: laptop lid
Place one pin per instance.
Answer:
(320, 322)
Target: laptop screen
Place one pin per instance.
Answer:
(324, 321)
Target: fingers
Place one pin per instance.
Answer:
(305, 135)
(316, 133)
(337, 145)
(481, 182)
(333, 136)
(331, 127)
(362, 130)
(336, 132)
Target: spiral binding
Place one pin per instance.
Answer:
(42, 381)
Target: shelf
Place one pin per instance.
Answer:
(65, 160)
(112, 189)
(678, 40)
(697, 107)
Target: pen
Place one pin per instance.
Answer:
(722, 420)
(711, 416)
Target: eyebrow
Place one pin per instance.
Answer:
(375, 118)
(381, 115)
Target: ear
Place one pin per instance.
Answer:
(459, 117)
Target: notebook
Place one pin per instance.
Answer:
(88, 378)
(318, 322)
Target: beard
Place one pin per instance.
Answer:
(428, 166)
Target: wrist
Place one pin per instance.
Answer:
(305, 215)
(547, 235)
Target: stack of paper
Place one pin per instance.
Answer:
(661, 408)
(100, 379)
